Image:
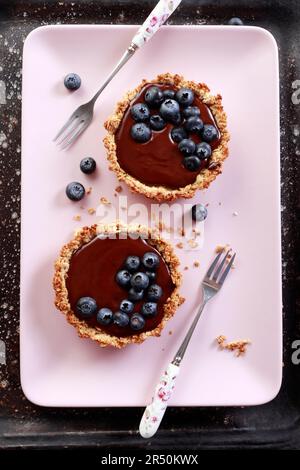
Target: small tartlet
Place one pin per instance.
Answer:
(205, 177)
(62, 264)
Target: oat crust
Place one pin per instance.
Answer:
(203, 180)
(85, 235)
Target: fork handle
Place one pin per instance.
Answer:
(154, 412)
(155, 20)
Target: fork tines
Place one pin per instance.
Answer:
(218, 271)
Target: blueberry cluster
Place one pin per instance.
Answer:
(140, 286)
(175, 108)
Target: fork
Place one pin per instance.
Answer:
(81, 118)
(211, 285)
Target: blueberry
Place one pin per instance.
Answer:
(72, 81)
(140, 132)
(88, 165)
(169, 110)
(194, 124)
(157, 123)
(137, 322)
(168, 94)
(126, 306)
(104, 316)
(86, 307)
(191, 111)
(209, 132)
(187, 147)
(154, 97)
(199, 212)
(235, 21)
(151, 275)
(192, 163)
(149, 309)
(120, 319)
(178, 134)
(185, 96)
(203, 151)
(132, 263)
(154, 293)
(140, 112)
(150, 260)
(139, 281)
(135, 295)
(123, 278)
(75, 191)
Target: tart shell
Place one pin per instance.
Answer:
(85, 235)
(205, 177)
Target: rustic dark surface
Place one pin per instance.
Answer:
(274, 425)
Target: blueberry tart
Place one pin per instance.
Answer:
(117, 284)
(167, 138)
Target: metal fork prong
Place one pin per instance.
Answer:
(68, 132)
(65, 126)
(228, 267)
(220, 267)
(82, 126)
(213, 264)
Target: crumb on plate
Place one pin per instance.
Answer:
(104, 200)
(91, 211)
(239, 346)
(77, 217)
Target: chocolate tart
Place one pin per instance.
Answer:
(155, 168)
(87, 266)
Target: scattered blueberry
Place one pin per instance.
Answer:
(72, 81)
(192, 163)
(126, 306)
(123, 278)
(178, 134)
(75, 191)
(203, 150)
(140, 132)
(139, 281)
(86, 307)
(154, 293)
(187, 147)
(168, 94)
(191, 111)
(132, 263)
(104, 316)
(185, 96)
(150, 260)
(199, 212)
(194, 124)
(154, 97)
(140, 112)
(149, 309)
(137, 322)
(151, 275)
(157, 123)
(120, 319)
(88, 165)
(135, 295)
(170, 111)
(209, 133)
(235, 21)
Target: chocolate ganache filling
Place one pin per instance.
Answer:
(92, 273)
(159, 161)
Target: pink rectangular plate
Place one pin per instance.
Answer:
(58, 368)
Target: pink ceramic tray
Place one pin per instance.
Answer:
(58, 368)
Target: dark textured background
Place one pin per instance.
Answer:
(275, 425)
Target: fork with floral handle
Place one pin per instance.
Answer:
(211, 284)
